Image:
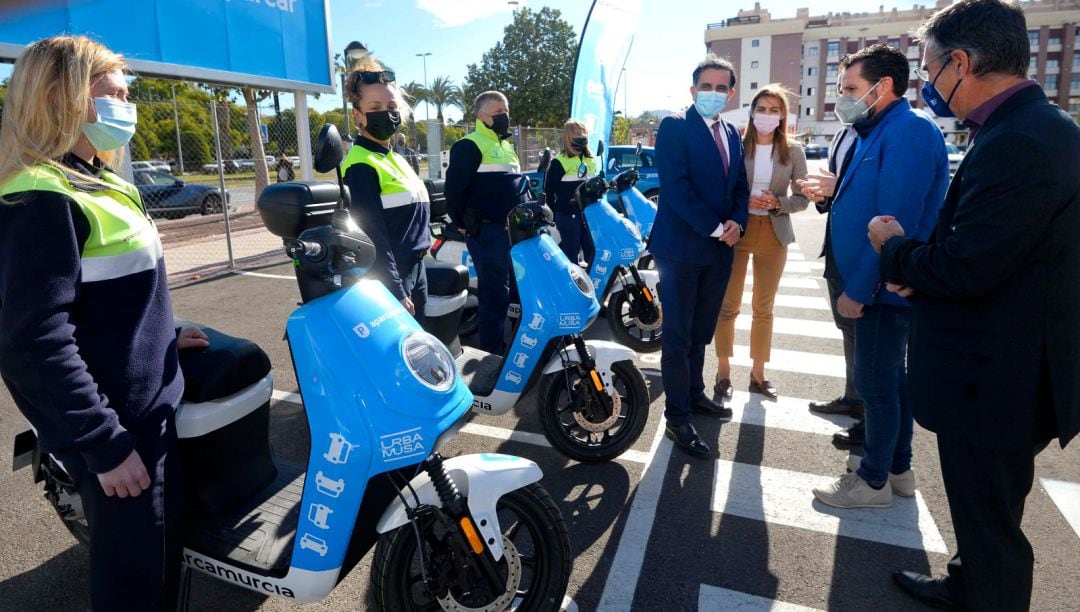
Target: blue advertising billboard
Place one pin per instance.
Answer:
(605, 45)
(280, 44)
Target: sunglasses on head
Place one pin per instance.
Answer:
(370, 77)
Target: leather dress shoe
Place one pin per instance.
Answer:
(930, 591)
(687, 438)
(852, 436)
(840, 405)
(708, 407)
(764, 387)
(723, 390)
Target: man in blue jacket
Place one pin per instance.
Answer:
(702, 213)
(899, 169)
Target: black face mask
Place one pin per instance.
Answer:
(579, 143)
(381, 125)
(500, 124)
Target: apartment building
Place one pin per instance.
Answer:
(803, 54)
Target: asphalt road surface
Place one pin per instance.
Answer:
(655, 530)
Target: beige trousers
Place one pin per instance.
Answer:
(769, 259)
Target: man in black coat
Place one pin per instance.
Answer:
(994, 354)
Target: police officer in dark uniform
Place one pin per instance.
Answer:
(389, 201)
(483, 184)
(574, 165)
(88, 348)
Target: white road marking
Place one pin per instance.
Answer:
(794, 301)
(795, 256)
(788, 413)
(285, 396)
(783, 497)
(795, 361)
(625, 570)
(1066, 496)
(797, 267)
(568, 605)
(795, 327)
(791, 282)
(715, 599)
(263, 275)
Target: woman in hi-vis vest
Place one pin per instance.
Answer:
(389, 201)
(571, 167)
(88, 348)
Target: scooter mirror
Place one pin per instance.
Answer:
(328, 149)
(545, 161)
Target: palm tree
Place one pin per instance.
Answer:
(443, 93)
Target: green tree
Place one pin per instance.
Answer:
(620, 130)
(533, 65)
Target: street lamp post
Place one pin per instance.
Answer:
(354, 51)
(427, 105)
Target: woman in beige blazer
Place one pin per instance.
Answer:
(773, 165)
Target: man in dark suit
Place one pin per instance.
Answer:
(704, 197)
(995, 341)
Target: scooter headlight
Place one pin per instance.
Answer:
(583, 283)
(429, 360)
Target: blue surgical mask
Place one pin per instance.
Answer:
(933, 99)
(709, 103)
(114, 127)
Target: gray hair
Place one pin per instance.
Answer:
(486, 96)
(992, 32)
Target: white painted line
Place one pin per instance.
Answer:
(783, 497)
(263, 275)
(792, 282)
(715, 599)
(794, 301)
(790, 413)
(625, 572)
(795, 327)
(568, 605)
(795, 256)
(797, 267)
(795, 361)
(1066, 496)
(487, 431)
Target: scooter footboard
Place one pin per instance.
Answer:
(483, 479)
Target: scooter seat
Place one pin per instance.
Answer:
(227, 366)
(446, 278)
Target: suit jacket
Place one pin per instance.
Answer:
(994, 354)
(899, 169)
(786, 190)
(695, 196)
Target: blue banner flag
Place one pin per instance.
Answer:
(605, 45)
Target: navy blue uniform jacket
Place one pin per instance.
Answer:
(695, 196)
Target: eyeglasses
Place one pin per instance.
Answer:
(923, 73)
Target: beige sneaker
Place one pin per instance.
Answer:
(902, 484)
(850, 491)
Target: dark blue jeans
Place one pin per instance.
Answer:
(881, 336)
(574, 236)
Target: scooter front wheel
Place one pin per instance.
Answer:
(584, 431)
(640, 331)
(536, 557)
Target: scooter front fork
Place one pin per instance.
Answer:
(593, 381)
(643, 304)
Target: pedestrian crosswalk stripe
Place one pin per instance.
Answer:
(715, 599)
(791, 282)
(795, 327)
(795, 361)
(784, 497)
(797, 267)
(795, 256)
(788, 413)
(1066, 496)
(794, 301)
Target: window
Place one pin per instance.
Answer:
(753, 85)
(1032, 66)
(754, 64)
(1054, 42)
(913, 66)
(1074, 105)
(812, 51)
(911, 93)
(1076, 60)
(755, 43)
(1034, 38)
(811, 71)
(1051, 82)
(894, 42)
(1053, 63)
(830, 72)
(1075, 83)
(809, 91)
(809, 111)
(834, 48)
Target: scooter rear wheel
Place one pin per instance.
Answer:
(530, 520)
(628, 328)
(586, 437)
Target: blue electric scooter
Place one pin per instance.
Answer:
(474, 532)
(631, 295)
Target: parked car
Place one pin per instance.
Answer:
(955, 157)
(151, 165)
(167, 197)
(816, 151)
(624, 157)
(230, 165)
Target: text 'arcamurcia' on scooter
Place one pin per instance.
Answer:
(632, 297)
(381, 396)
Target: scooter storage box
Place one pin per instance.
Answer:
(224, 423)
(287, 209)
(447, 284)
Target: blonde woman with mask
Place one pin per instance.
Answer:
(774, 164)
(88, 349)
(571, 167)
